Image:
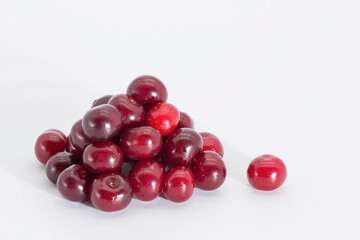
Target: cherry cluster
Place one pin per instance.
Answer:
(133, 145)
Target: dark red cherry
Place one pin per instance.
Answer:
(57, 131)
(48, 144)
(185, 121)
(101, 123)
(167, 166)
(182, 146)
(164, 117)
(212, 143)
(73, 183)
(78, 138)
(147, 90)
(266, 172)
(103, 100)
(70, 148)
(110, 192)
(140, 143)
(103, 157)
(209, 170)
(146, 179)
(133, 113)
(58, 163)
(179, 184)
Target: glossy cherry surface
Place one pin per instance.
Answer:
(178, 184)
(57, 131)
(78, 138)
(73, 183)
(110, 192)
(70, 148)
(146, 179)
(185, 121)
(164, 117)
(147, 90)
(58, 163)
(212, 143)
(209, 170)
(48, 144)
(182, 146)
(266, 172)
(101, 123)
(100, 101)
(133, 113)
(140, 143)
(103, 157)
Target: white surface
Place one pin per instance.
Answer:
(279, 77)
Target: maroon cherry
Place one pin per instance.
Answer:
(101, 123)
(78, 138)
(209, 170)
(182, 146)
(185, 121)
(110, 192)
(103, 157)
(140, 143)
(100, 101)
(212, 143)
(179, 184)
(164, 117)
(70, 148)
(146, 179)
(133, 113)
(58, 163)
(48, 144)
(266, 172)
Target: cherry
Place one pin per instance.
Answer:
(212, 143)
(57, 131)
(182, 146)
(266, 172)
(147, 90)
(58, 163)
(48, 144)
(146, 179)
(101, 123)
(70, 148)
(103, 157)
(133, 113)
(100, 101)
(164, 117)
(179, 184)
(209, 170)
(140, 143)
(78, 138)
(110, 192)
(185, 121)
(73, 183)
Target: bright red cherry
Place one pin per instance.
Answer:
(164, 117)
(70, 148)
(48, 144)
(78, 138)
(209, 170)
(185, 121)
(140, 143)
(179, 184)
(147, 90)
(146, 179)
(266, 172)
(133, 113)
(103, 157)
(182, 146)
(58, 163)
(101, 123)
(110, 192)
(212, 143)
(73, 183)
(100, 101)
(57, 131)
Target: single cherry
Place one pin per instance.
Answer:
(70, 148)
(164, 117)
(212, 143)
(266, 172)
(58, 163)
(179, 184)
(48, 144)
(100, 101)
(78, 138)
(185, 121)
(110, 192)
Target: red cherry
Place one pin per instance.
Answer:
(48, 144)
(78, 138)
(185, 121)
(266, 172)
(57, 131)
(164, 117)
(146, 179)
(179, 184)
(58, 163)
(209, 170)
(70, 148)
(100, 101)
(110, 192)
(212, 143)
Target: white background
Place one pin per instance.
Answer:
(279, 77)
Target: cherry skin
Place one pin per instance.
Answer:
(58, 163)
(147, 90)
(140, 143)
(182, 146)
(100, 101)
(164, 117)
(48, 144)
(70, 148)
(77, 138)
(133, 113)
(101, 123)
(103, 157)
(266, 172)
(209, 170)
(73, 183)
(179, 184)
(146, 179)
(57, 131)
(185, 121)
(212, 143)
(110, 192)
